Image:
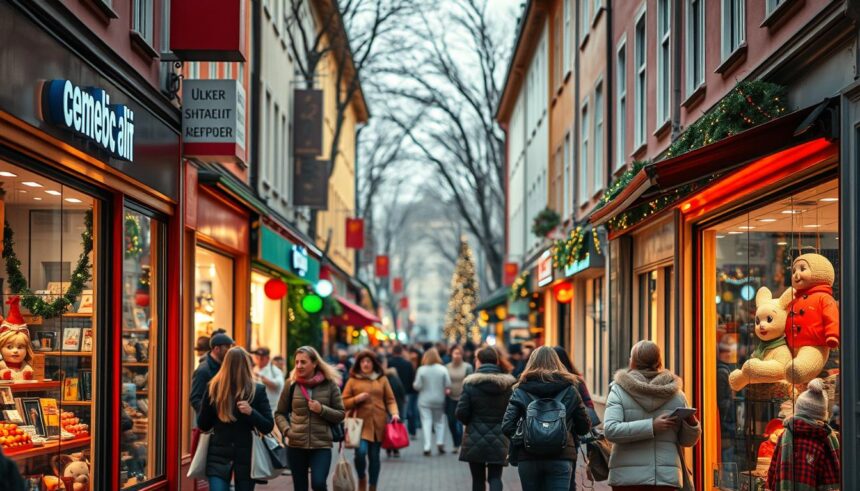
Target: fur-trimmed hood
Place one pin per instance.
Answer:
(650, 394)
(491, 379)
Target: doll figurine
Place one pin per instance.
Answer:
(813, 320)
(767, 363)
(15, 345)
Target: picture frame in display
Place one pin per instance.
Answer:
(71, 339)
(51, 416)
(141, 320)
(33, 415)
(87, 339)
(86, 304)
(6, 396)
(13, 416)
(46, 340)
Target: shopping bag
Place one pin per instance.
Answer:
(343, 479)
(597, 462)
(352, 432)
(395, 436)
(262, 467)
(277, 452)
(197, 469)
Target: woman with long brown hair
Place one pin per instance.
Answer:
(545, 383)
(305, 415)
(432, 383)
(232, 407)
(368, 393)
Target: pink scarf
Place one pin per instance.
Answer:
(312, 382)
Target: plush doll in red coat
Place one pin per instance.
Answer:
(15, 345)
(813, 321)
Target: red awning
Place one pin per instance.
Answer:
(716, 159)
(353, 315)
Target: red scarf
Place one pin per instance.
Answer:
(312, 382)
(13, 365)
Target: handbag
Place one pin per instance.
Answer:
(197, 469)
(277, 452)
(395, 436)
(262, 466)
(352, 431)
(343, 478)
(598, 450)
(687, 484)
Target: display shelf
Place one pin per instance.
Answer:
(76, 403)
(34, 386)
(85, 354)
(49, 448)
(77, 315)
(142, 392)
(136, 331)
(135, 364)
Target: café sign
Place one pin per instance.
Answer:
(213, 120)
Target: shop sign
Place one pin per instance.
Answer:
(511, 272)
(310, 183)
(544, 268)
(213, 120)
(308, 122)
(578, 266)
(279, 252)
(87, 111)
(208, 30)
(299, 260)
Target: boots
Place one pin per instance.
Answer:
(362, 485)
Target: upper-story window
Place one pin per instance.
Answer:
(621, 103)
(599, 169)
(695, 45)
(664, 60)
(141, 19)
(557, 51)
(734, 25)
(584, 19)
(568, 178)
(640, 64)
(583, 155)
(771, 5)
(567, 27)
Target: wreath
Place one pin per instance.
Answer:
(133, 248)
(18, 284)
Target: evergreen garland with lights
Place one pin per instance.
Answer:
(460, 322)
(568, 251)
(545, 221)
(519, 288)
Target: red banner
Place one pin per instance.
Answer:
(382, 266)
(404, 303)
(511, 271)
(397, 285)
(355, 233)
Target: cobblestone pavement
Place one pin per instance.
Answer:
(415, 472)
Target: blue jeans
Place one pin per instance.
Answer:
(545, 475)
(412, 419)
(368, 450)
(317, 460)
(218, 484)
(453, 424)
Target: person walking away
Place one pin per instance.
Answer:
(458, 369)
(233, 407)
(481, 408)
(406, 372)
(210, 363)
(638, 422)
(584, 394)
(525, 351)
(368, 394)
(545, 380)
(432, 382)
(269, 375)
(807, 452)
(399, 394)
(305, 415)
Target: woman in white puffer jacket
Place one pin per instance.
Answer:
(647, 441)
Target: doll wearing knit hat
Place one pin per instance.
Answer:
(807, 453)
(813, 320)
(15, 345)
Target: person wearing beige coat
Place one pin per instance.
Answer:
(647, 441)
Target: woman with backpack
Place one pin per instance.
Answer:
(233, 406)
(307, 410)
(368, 394)
(638, 422)
(481, 408)
(432, 383)
(542, 442)
(584, 394)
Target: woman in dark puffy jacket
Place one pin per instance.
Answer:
(233, 406)
(481, 408)
(545, 377)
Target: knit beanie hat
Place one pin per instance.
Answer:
(822, 270)
(812, 403)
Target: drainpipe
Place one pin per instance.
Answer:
(255, 124)
(609, 90)
(676, 68)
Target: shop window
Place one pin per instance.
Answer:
(742, 256)
(655, 312)
(49, 383)
(267, 326)
(142, 441)
(213, 280)
(597, 365)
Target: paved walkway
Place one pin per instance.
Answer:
(415, 472)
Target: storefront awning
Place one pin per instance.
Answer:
(715, 159)
(498, 297)
(353, 315)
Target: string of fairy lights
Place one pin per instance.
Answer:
(460, 321)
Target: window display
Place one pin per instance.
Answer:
(772, 319)
(139, 447)
(47, 335)
(267, 329)
(214, 293)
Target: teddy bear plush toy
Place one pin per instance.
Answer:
(813, 318)
(72, 470)
(767, 363)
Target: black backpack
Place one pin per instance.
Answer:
(545, 426)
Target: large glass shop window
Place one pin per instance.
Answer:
(267, 329)
(213, 307)
(142, 432)
(48, 335)
(771, 293)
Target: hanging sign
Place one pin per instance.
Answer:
(213, 120)
(355, 233)
(544, 267)
(397, 285)
(307, 122)
(382, 266)
(511, 272)
(87, 112)
(404, 303)
(299, 260)
(310, 183)
(208, 30)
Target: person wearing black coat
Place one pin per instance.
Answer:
(481, 408)
(230, 445)
(406, 372)
(545, 377)
(10, 475)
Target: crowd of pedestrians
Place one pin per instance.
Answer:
(529, 408)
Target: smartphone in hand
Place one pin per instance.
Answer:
(683, 413)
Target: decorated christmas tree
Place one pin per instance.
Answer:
(460, 320)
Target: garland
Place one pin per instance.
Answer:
(131, 234)
(18, 284)
(566, 252)
(621, 182)
(518, 287)
(545, 221)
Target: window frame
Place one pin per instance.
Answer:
(566, 54)
(582, 180)
(568, 175)
(732, 22)
(664, 61)
(640, 89)
(584, 20)
(146, 30)
(599, 140)
(621, 108)
(694, 48)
